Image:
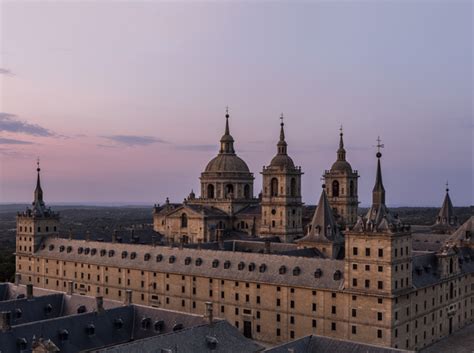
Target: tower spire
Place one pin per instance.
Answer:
(378, 192)
(38, 195)
(227, 141)
(282, 145)
(341, 152)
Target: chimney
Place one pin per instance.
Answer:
(114, 236)
(17, 279)
(70, 288)
(199, 244)
(128, 297)
(88, 236)
(5, 321)
(209, 315)
(99, 300)
(29, 291)
(267, 249)
(153, 241)
(221, 239)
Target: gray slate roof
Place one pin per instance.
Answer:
(323, 226)
(319, 344)
(228, 339)
(110, 254)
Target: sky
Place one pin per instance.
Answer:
(125, 101)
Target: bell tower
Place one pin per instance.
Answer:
(281, 195)
(342, 187)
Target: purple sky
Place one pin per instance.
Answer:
(125, 101)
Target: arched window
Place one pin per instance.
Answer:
(293, 187)
(210, 191)
(247, 191)
(351, 188)
(335, 188)
(229, 189)
(274, 187)
(184, 221)
(451, 265)
(451, 291)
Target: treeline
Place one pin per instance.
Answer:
(7, 265)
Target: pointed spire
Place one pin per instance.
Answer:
(341, 152)
(323, 224)
(446, 213)
(378, 192)
(227, 141)
(282, 145)
(38, 195)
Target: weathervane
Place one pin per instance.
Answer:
(379, 146)
(281, 117)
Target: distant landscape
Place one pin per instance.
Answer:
(102, 220)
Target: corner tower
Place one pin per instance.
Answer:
(341, 182)
(378, 248)
(34, 224)
(281, 195)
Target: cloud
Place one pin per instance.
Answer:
(133, 140)
(7, 141)
(10, 123)
(200, 148)
(6, 72)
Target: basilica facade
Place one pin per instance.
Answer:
(227, 206)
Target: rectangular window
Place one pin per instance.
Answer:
(333, 326)
(278, 332)
(367, 283)
(278, 318)
(278, 302)
(379, 333)
(355, 251)
(333, 309)
(379, 316)
(354, 266)
(380, 285)
(314, 323)
(354, 330)
(367, 251)
(292, 304)
(354, 282)
(380, 252)
(314, 306)
(354, 312)
(380, 268)
(367, 267)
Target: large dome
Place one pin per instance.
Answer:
(227, 163)
(341, 166)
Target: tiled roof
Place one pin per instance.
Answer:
(277, 269)
(220, 337)
(319, 344)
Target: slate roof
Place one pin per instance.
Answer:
(226, 337)
(115, 325)
(34, 309)
(463, 234)
(428, 242)
(250, 210)
(243, 266)
(320, 344)
(323, 226)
